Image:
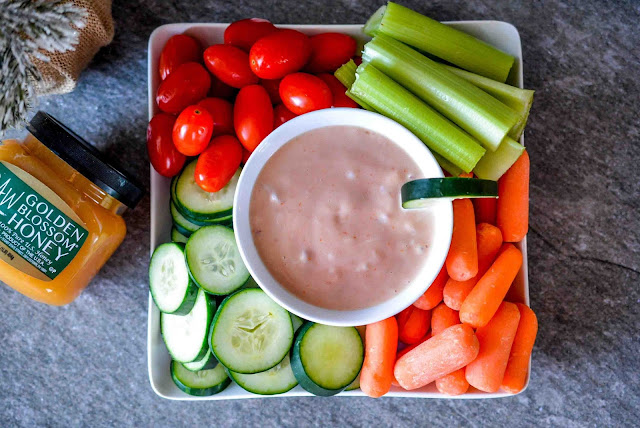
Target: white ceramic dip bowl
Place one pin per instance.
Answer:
(441, 214)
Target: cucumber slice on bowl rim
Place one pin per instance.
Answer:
(214, 261)
(326, 359)
(276, 380)
(169, 283)
(186, 335)
(420, 193)
(201, 383)
(250, 333)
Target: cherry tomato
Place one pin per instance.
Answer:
(281, 114)
(340, 99)
(178, 50)
(164, 157)
(186, 85)
(219, 89)
(221, 112)
(302, 93)
(273, 87)
(217, 164)
(278, 54)
(246, 32)
(192, 130)
(245, 155)
(252, 116)
(229, 64)
(357, 60)
(329, 51)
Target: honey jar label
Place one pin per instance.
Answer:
(39, 233)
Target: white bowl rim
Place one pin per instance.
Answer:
(375, 122)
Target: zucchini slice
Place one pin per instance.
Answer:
(197, 204)
(326, 359)
(186, 335)
(250, 332)
(201, 383)
(419, 193)
(276, 380)
(171, 288)
(214, 260)
(205, 363)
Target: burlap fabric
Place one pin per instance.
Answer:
(61, 73)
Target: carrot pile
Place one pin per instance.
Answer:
(461, 332)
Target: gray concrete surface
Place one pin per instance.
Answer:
(85, 364)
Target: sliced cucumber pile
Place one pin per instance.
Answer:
(276, 380)
(177, 236)
(201, 383)
(250, 332)
(420, 193)
(214, 260)
(356, 383)
(171, 288)
(326, 359)
(186, 335)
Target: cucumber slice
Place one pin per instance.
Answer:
(419, 193)
(214, 260)
(201, 383)
(176, 236)
(356, 383)
(296, 321)
(200, 205)
(250, 283)
(326, 359)
(181, 223)
(186, 335)
(169, 282)
(205, 363)
(250, 332)
(276, 380)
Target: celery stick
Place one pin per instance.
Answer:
(445, 42)
(346, 74)
(469, 107)
(494, 164)
(446, 165)
(518, 99)
(441, 136)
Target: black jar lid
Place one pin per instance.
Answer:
(85, 159)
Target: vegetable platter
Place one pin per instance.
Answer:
(498, 34)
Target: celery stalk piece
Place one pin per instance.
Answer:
(518, 99)
(466, 105)
(371, 26)
(346, 74)
(392, 100)
(447, 166)
(494, 164)
(445, 42)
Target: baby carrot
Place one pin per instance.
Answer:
(512, 214)
(410, 347)
(487, 370)
(462, 260)
(485, 210)
(485, 298)
(442, 318)
(381, 343)
(454, 383)
(413, 324)
(433, 295)
(489, 239)
(516, 374)
(445, 353)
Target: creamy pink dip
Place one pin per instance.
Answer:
(327, 222)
